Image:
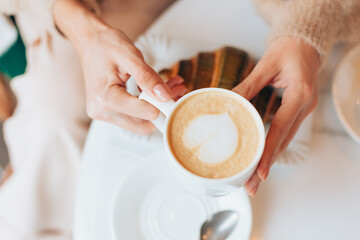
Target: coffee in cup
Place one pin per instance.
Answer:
(213, 135)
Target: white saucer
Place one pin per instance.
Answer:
(152, 204)
(346, 92)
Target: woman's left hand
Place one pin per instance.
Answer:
(293, 65)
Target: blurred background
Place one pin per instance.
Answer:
(12, 64)
(4, 159)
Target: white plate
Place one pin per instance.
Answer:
(346, 92)
(152, 204)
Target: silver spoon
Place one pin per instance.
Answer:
(219, 226)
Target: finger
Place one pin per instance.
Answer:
(147, 79)
(257, 80)
(279, 129)
(252, 184)
(117, 99)
(293, 130)
(178, 91)
(135, 125)
(174, 81)
(123, 77)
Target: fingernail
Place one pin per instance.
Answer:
(250, 190)
(179, 79)
(161, 92)
(263, 174)
(183, 92)
(252, 193)
(252, 184)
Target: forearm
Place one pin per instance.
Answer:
(77, 21)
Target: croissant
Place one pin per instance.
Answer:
(224, 68)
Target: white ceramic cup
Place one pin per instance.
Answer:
(213, 187)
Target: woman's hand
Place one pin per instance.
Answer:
(293, 65)
(109, 58)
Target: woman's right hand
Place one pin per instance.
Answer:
(108, 59)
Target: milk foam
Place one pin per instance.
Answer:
(213, 138)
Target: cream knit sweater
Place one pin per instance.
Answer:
(321, 23)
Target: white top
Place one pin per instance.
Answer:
(317, 199)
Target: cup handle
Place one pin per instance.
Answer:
(160, 122)
(164, 107)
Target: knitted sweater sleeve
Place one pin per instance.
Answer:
(40, 9)
(321, 23)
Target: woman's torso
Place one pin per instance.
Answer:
(133, 17)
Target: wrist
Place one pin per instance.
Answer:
(304, 49)
(77, 22)
(310, 53)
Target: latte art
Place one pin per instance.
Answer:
(212, 138)
(213, 135)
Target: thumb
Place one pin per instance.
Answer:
(150, 82)
(253, 84)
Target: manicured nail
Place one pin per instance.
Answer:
(161, 92)
(264, 174)
(252, 193)
(179, 80)
(250, 190)
(183, 92)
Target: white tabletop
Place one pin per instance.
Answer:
(317, 199)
